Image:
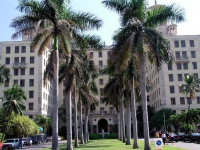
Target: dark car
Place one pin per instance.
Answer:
(191, 137)
(36, 139)
(176, 137)
(49, 139)
(181, 135)
(44, 138)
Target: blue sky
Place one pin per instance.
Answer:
(111, 21)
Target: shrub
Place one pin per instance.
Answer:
(94, 136)
(111, 136)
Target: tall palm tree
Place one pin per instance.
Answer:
(13, 102)
(4, 74)
(191, 84)
(53, 22)
(138, 33)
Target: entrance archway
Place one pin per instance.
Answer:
(103, 124)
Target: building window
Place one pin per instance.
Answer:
(101, 81)
(22, 82)
(180, 77)
(171, 78)
(101, 100)
(100, 54)
(15, 72)
(195, 76)
(191, 43)
(31, 71)
(173, 101)
(176, 43)
(7, 50)
(31, 82)
(16, 49)
(185, 66)
(23, 59)
(194, 65)
(184, 54)
(189, 100)
(100, 63)
(182, 43)
(101, 91)
(91, 54)
(182, 100)
(109, 54)
(178, 65)
(101, 109)
(31, 106)
(6, 83)
(16, 60)
(180, 89)
(32, 60)
(170, 67)
(100, 72)
(22, 71)
(197, 90)
(193, 54)
(23, 50)
(15, 82)
(178, 55)
(31, 94)
(198, 100)
(171, 88)
(7, 61)
(31, 50)
(185, 75)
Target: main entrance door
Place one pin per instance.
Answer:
(103, 124)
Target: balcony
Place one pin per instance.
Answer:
(181, 59)
(19, 65)
(101, 66)
(104, 112)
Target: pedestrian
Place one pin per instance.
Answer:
(167, 137)
(157, 134)
(28, 142)
(20, 142)
(172, 137)
(160, 134)
(163, 137)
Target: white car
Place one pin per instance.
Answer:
(59, 138)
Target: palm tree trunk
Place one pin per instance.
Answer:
(69, 120)
(122, 121)
(142, 62)
(189, 104)
(118, 125)
(128, 121)
(81, 122)
(76, 93)
(55, 101)
(85, 124)
(134, 118)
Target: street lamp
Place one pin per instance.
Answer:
(164, 122)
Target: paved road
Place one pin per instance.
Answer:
(41, 146)
(184, 145)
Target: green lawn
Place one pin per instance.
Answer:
(112, 144)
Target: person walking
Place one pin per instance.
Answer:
(20, 142)
(28, 142)
(172, 137)
(167, 137)
(163, 137)
(157, 134)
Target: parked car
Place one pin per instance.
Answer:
(1, 145)
(44, 138)
(176, 137)
(191, 137)
(36, 139)
(59, 138)
(11, 144)
(49, 139)
(181, 135)
(25, 141)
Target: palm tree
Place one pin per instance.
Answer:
(13, 102)
(4, 74)
(55, 23)
(191, 84)
(138, 36)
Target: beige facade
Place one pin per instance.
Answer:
(26, 70)
(166, 92)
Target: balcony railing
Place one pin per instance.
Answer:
(20, 65)
(104, 112)
(181, 59)
(101, 66)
